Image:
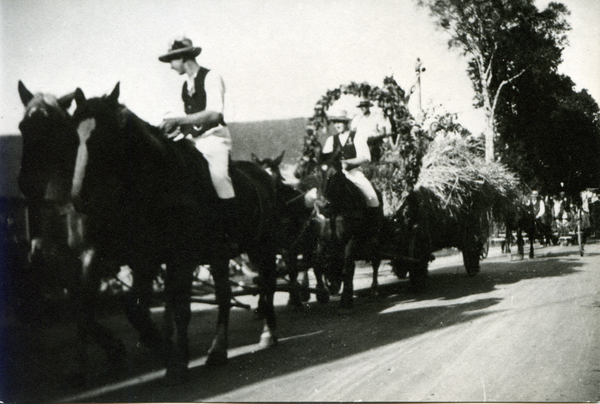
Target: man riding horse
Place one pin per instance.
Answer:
(203, 96)
(354, 153)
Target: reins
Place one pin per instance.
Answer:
(296, 197)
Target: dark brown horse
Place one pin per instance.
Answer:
(149, 200)
(57, 231)
(352, 230)
(521, 219)
(297, 232)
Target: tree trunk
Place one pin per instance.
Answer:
(489, 140)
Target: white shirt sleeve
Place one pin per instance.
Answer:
(542, 209)
(215, 92)
(354, 122)
(361, 146)
(328, 147)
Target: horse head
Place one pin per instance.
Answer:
(104, 147)
(122, 159)
(49, 145)
(271, 166)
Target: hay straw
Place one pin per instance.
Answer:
(455, 182)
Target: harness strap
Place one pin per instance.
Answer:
(296, 197)
(304, 227)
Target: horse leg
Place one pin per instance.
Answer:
(376, 262)
(217, 354)
(322, 294)
(268, 275)
(347, 299)
(85, 299)
(520, 242)
(531, 255)
(291, 260)
(138, 302)
(178, 313)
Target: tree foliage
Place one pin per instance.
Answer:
(551, 133)
(502, 39)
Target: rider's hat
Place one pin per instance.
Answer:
(365, 103)
(341, 116)
(179, 48)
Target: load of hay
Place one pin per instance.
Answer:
(454, 181)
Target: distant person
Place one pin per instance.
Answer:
(538, 205)
(203, 96)
(372, 126)
(560, 213)
(355, 153)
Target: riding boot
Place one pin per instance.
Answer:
(230, 224)
(375, 216)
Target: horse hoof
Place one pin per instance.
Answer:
(322, 296)
(304, 295)
(267, 340)
(296, 306)
(373, 294)
(216, 358)
(472, 272)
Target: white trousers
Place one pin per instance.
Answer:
(215, 145)
(358, 178)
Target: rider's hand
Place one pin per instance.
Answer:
(168, 125)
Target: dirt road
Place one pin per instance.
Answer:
(526, 330)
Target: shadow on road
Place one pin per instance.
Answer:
(318, 335)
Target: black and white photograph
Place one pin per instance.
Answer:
(299, 201)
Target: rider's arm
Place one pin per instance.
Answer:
(328, 147)
(215, 107)
(542, 211)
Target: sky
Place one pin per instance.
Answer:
(277, 57)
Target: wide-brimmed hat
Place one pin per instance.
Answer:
(365, 103)
(179, 48)
(340, 116)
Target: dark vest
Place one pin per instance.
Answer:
(348, 150)
(536, 207)
(195, 102)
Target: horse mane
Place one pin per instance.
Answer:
(129, 121)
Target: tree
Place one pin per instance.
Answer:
(502, 40)
(551, 133)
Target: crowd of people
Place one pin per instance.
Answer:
(566, 215)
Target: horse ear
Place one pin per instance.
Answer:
(279, 159)
(114, 96)
(66, 100)
(79, 97)
(24, 93)
(255, 158)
